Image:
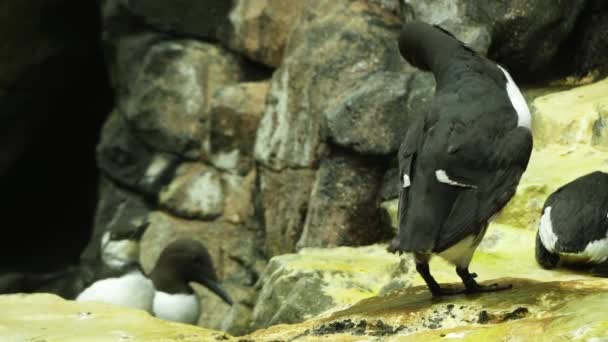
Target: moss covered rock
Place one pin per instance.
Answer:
(45, 317)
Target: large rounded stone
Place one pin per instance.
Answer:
(297, 286)
(235, 113)
(343, 204)
(284, 197)
(259, 28)
(373, 116)
(169, 100)
(127, 161)
(293, 131)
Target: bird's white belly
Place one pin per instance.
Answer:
(132, 290)
(461, 253)
(184, 308)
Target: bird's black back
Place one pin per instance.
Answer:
(579, 212)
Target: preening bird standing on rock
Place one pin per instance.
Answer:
(459, 164)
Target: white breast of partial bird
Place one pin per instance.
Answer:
(132, 290)
(179, 307)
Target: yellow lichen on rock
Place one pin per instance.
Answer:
(46, 317)
(532, 311)
(568, 117)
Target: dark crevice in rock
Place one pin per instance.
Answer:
(586, 49)
(51, 115)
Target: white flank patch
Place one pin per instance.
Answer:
(524, 119)
(182, 308)
(547, 236)
(442, 177)
(597, 251)
(461, 253)
(132, 290)
(118, 253)
(406, 180)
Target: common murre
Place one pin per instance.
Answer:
(181, 262)
(460, 164)
(165, 292)
(573, 228)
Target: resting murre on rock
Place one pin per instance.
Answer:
(573, 228)
(460, 164)
(181, 262)
(165, 292)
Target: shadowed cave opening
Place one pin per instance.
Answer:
(57, 107)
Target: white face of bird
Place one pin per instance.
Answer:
(118, 253)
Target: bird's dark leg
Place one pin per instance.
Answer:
(436, 290)
(472, 286)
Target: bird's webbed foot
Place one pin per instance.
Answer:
(471, 286)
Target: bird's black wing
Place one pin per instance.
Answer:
(492, 166)
(407, 161)
(579, 212)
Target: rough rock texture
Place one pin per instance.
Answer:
(526, 36)
(118, 210)
(200, 19)
(522, 35)
(259, 28)
(170, 96)
(298, 286)
(284, 196)
(346, 275)
(233, 248)
(195, 192)
(343, 204)
(293, 131)
(572, 117)
(453, 16)
(50, 318)
(128, 161)
(235, 113)
(553, 310)
(371, 117)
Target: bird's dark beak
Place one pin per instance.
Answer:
(215, 287)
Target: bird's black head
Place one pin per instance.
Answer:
(189, 260)
(425, 46)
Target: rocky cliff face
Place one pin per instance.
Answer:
(263, 129)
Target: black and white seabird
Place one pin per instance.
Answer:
(460, 164)
(180, 263)
(166, 292)
(573, 228)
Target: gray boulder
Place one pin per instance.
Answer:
(284, 196)
(343, 208)
(127, 161)
(293, 130)
(170, 96)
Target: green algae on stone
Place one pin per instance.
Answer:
(549, 168)
(46, 317)
(568, 117)
(532, 310)
(328, 278)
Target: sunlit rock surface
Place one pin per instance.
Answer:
(532, 311)
(44, 317)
